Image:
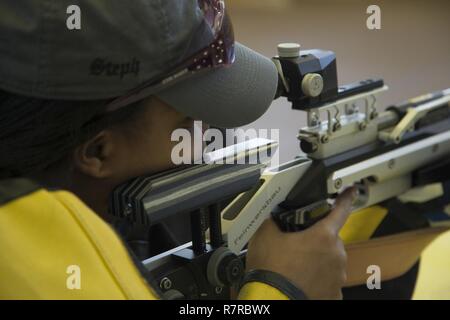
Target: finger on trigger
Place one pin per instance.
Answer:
(342, 209)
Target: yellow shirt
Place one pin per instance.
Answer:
(54, 247)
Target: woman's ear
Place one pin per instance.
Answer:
(94, 157)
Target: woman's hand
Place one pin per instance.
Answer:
(313, 259)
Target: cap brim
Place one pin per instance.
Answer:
(230, 96)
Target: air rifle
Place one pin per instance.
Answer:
(346, 142)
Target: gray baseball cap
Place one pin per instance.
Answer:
(103, 49)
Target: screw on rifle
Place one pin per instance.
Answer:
(235, 271)
(373, 115)
(128, 210)
(325, 139)
(391, 164)
(218, 290)
(314, 119)
(350, 109)
(362, 126)
(338, 183)
(165, 284)
(337, 126)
